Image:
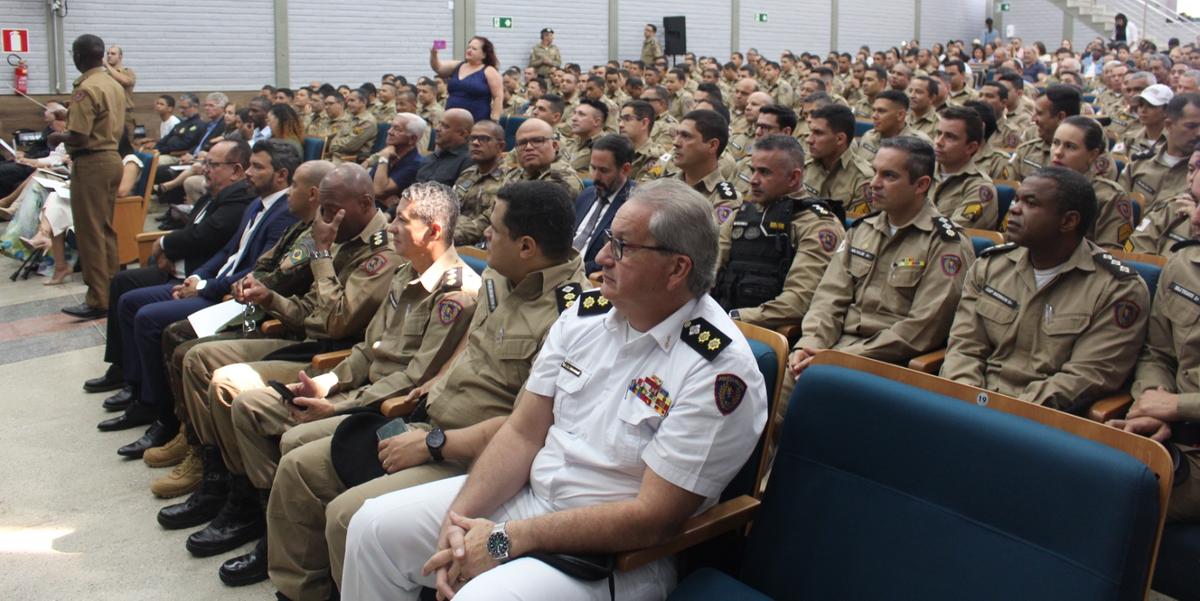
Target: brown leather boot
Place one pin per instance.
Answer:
(169, 454)
(182, 480)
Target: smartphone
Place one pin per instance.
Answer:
(285, 392)
(439, 44)
(395, 427)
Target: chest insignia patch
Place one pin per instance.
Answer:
(649, 390)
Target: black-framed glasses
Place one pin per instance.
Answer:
(538, 141)
(618, 246)
(482, 139)
(207, 164)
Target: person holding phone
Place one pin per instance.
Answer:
(474, 83)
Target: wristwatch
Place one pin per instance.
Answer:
(383, 160)
(434, 441)
(498, 543)
(322, 254)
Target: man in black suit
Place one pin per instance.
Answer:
(212, 222)
(611, 163)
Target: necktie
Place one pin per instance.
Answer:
(236, 257)
(586, 232)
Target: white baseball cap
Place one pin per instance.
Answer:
(1157, 95)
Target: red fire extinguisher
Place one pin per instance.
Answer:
(20, 74)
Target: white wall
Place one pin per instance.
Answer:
(943, 20)
(209, 45)
(796, 25)
(31, 15)
(397, 41)
(874, 23)
(707, 24)
(1035, 20)
(580, 29)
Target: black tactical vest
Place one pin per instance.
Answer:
(760, 254)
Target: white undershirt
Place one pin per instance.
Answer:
(1171, 161)
(1043, 276)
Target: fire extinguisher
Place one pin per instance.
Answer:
(20, 74)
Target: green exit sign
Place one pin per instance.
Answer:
(1005, 7)
(760, 17)
(502, 22)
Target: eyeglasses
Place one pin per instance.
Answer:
(618, 246)
(207, 164)
(481, 139)
(538, 141)
(766, 126)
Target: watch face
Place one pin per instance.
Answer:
(436, 438)
(497, 545)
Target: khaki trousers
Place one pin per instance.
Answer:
(94, 180)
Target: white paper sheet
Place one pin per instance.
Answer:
(209, 320)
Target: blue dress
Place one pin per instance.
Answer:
(472, 94)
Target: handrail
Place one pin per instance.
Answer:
(1155, 16)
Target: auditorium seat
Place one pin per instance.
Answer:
(313, 148)
(510, 125)
(380, 136)
(129, 213)
(862, 127)
(474, 257)
(1006, 192)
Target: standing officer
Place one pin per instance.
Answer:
(773, 251)
(890, 291)
(1074, 335)
(545, 57)
(651, 50)
(95, 123)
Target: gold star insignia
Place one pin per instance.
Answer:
(714, 344)
(589, 302)
(569, 296)
(704, 336)
(602, 302)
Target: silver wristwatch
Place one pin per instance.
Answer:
(498, 543)
(322, 254)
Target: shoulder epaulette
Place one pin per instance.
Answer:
(704, 338)
(379, 239)
(1141, 156)
(997, 249)
(945, 228)
(818, 208)
(725, 190)
(452, 279)
(1114, 265)
(566, 295)
(863, 218)
(593, 303)
(1182, 244)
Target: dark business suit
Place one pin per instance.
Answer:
(146, 312)
(583, 205)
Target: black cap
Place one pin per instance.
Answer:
(546, 30)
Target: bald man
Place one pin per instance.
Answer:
(450, 156)
(538, 156)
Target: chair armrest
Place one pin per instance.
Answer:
(396, 407)
(273, 327)
(328, 361)
(719, 519)
(150, 236)
(930, 363)
(1112, 406)
(790, 331)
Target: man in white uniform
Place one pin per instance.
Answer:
(632, 420)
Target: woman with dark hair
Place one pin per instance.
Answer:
(474, 84)
(1078, 142)
(285, 125)
(1124, 31)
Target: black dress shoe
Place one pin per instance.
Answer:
(119, 401)
(240, 521)
(206, 502)
(111, 380)
(135, 415)
(156, 435)
(246, 569)
(85, 311)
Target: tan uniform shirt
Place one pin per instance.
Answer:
(739, 145)
(782, 92)
(644, 159)
(1163, 227)
(651, 50)
(506, 332)
(558, 171)
(968, 197)
(962, 96)
(581, 156)
(1063, 346)
(864, 108)
(318, 126)
(868, 144)
(383, 112)
(544, 59)
(431, 113)
(994, 162)
(1122, 122)
(1011, 130)
(722, 194)
(1029, 157)
(679, 104)
(353, 142)
(815, 234)
(1155, 178)
(663, 132)
(1137, 141)
(476, 197)
(284, 268)
(97, 111)
(889, 296)
(848, 182)
(926, 124)
(346, 290)
(1170, 357)
(1114, 214)
(411, 336)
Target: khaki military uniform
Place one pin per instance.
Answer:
(663, 132)
(1029, 157)
(962, 96)
(651, 50)
(742, 174)
(994, 162)
(618, 99)
(679, 104)
(868, 145)
(1012, 130)
(1114, 214)
(383, 112)
(1163, 227)
(476, 196)
(1064, 345)
(311, 508)
(848, 182)
(1136, 141)
(782, 92)
(968, 197)
(544, 59)
(346, 292)
(431, 113)
(1153, 177)
(98, 112)
(1026, 104)
(318, 126)
(353, 143)
(815, 234)
(886, 296)
(612, 122)
(738, 123)
(1109, 101)
(722, 194)
(864, 108)
(558, 172)
(581, 156)
(739, 146)
(1169, 359)
(1122, 122)
(409, 339)
(644, 159)
(926, 124)
(801, 132)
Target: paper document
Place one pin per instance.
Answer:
(60, 187)
(8, 148)
(180, 167)
(208, 321)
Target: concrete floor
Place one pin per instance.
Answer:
(76, 520)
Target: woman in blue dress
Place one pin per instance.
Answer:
(474, 83)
